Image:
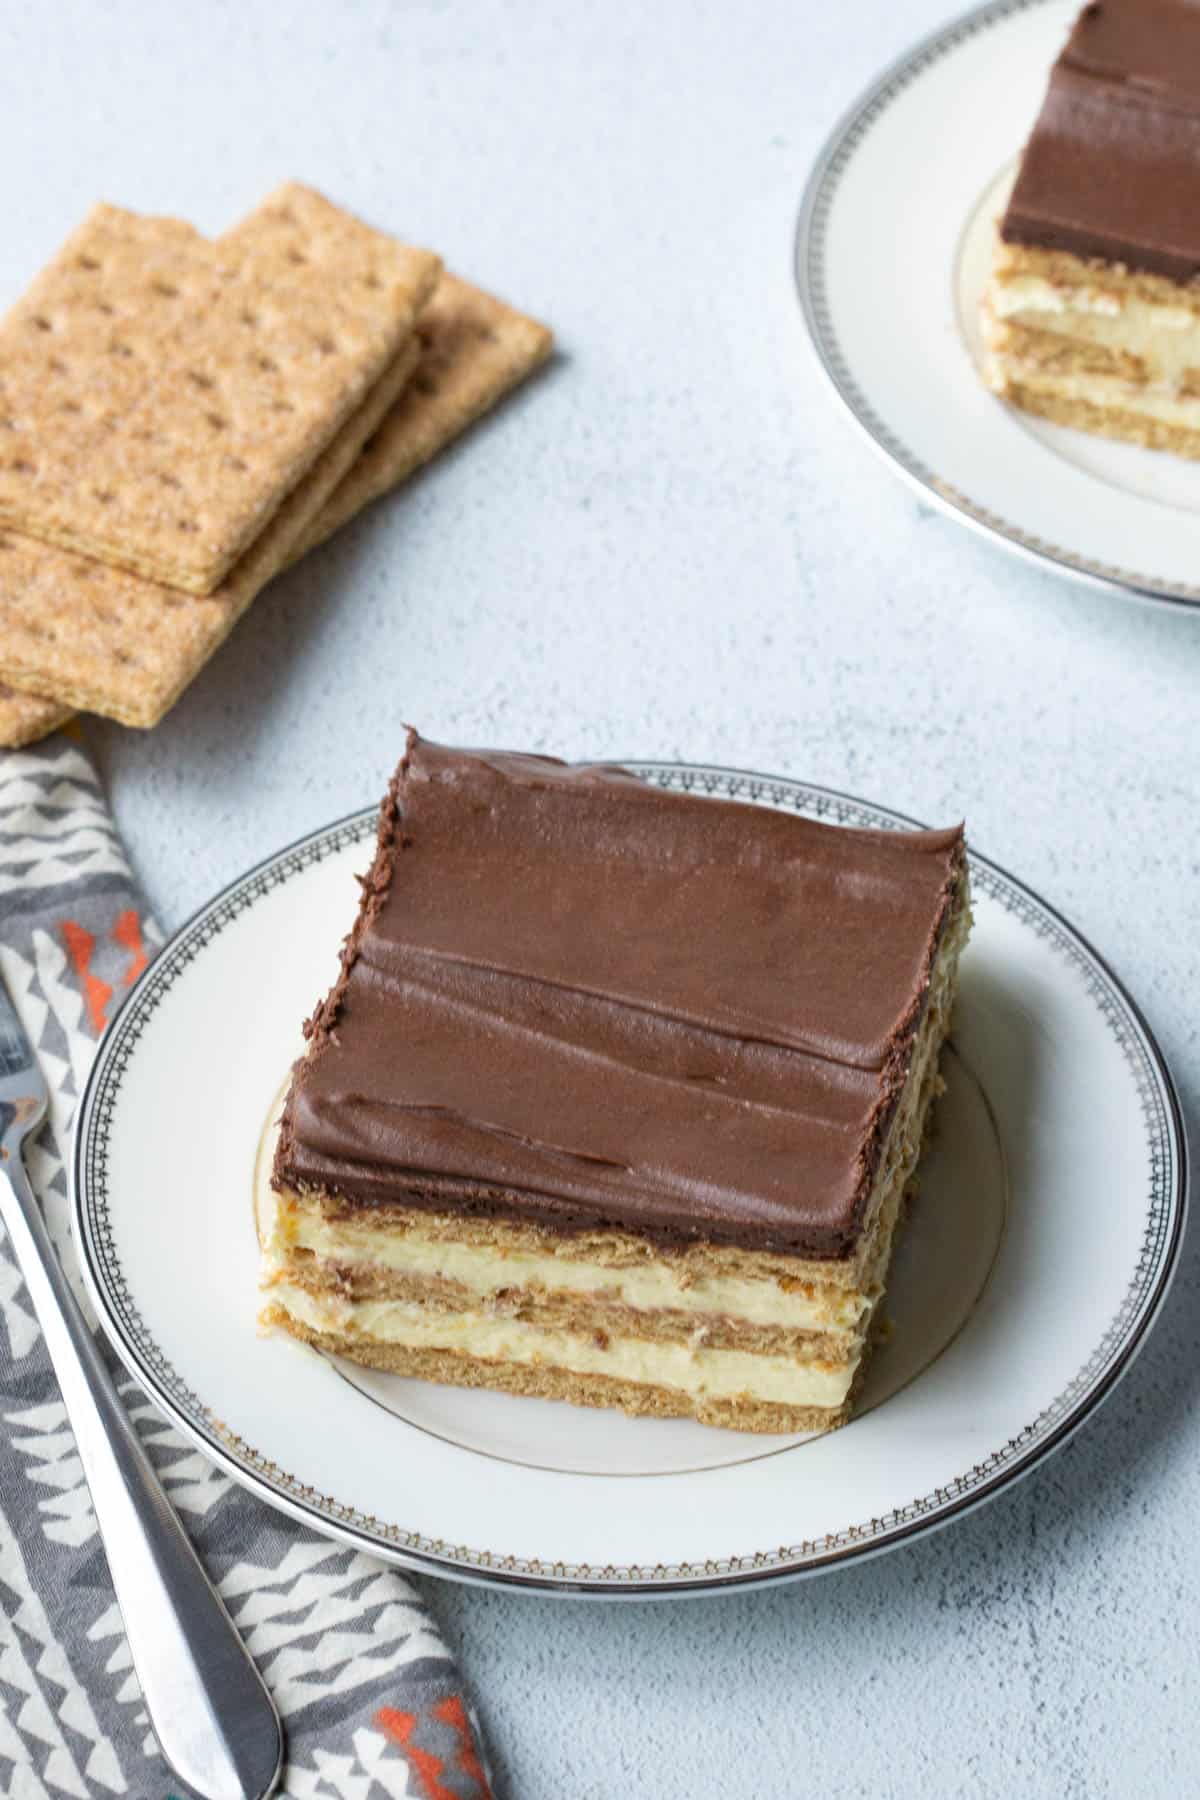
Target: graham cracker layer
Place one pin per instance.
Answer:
(549, 1383)
(1058, 353)
(1102, 421)
(589, 1315)
(160, 394)
(24, 718)
(1095, 274)
(474, 350)
(105, 641)
(612, 1248)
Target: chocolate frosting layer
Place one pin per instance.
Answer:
(1113, 167)
(574, 998)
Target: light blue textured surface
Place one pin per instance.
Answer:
(673, 545)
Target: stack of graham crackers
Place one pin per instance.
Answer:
(180, 419)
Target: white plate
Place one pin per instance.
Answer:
(1036, 1257)
(892, 255)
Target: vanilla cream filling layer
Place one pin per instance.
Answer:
(1098, 390)
(485, 1269)
(708, 1374)
(1167, 338)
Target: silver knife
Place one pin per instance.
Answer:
(213, 1717)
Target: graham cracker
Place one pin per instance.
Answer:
(161, 393)
(24, 718)
(474, 350)
(110, 642)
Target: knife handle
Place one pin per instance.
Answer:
(213, 1717)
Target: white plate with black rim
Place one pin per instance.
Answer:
(893, 250)
(1034, 1262)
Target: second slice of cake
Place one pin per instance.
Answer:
(1092, 315)
(617, 1095)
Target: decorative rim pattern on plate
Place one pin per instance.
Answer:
(1165, 1207)
(810, 266)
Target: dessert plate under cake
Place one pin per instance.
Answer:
(893, 254)
(1032, 1266)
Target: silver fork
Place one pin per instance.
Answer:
(212, 1715)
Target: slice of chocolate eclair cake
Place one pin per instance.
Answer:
(617, 1093)
(1092, 314)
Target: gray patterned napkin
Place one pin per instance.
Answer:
(370, 1697)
